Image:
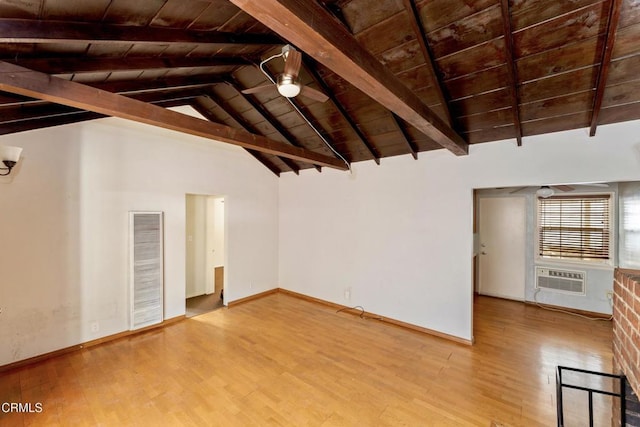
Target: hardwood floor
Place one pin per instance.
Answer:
(280, 360)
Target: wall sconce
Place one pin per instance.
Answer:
(9, 157)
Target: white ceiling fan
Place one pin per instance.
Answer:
(545, 191)
(287, 83)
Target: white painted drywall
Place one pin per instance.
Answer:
(64, 226)
(400, 234)
(196, 245)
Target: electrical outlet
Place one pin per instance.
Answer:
(95, 326)
(609, 295)
(347, 294)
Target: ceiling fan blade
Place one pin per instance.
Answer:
(596, 184)
(316, 95)
(292, 62)
(518, 190)
(258, 89)
(564, 187)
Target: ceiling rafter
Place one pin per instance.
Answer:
(412, 147)
(310, 121)
(605, 62)
(46, 122)
(17, 113)
(336, 11)
(417, 26)
(37, 31)
(130, 87)
(245, 124)
(266, 162)
(92, 65)
(257, 155)
(512, 73)
(266, 115)
(31, 83)
(75, 116)
(311, 69)
(322, 37)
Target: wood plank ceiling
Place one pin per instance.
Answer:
(402, 76)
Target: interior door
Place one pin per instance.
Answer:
(502, 233)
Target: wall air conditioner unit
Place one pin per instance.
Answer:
(566, 281)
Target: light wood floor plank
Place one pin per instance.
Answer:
(282, 361)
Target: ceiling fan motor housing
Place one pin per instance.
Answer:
(288, 86)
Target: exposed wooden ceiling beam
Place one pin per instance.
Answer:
(311, 68)
(75, 117)
(36, 31)
(258, 156)
(511, 70)
(310, 27)
(31, 83)
(416, 25)
(17, 113)
(605, 62)
(92, 65)
(47, 122)
(130, 87)
(246, 125)
(412, 148)
(266, 115)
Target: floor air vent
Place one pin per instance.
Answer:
(560, 280)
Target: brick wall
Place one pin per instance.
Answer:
(626, 335)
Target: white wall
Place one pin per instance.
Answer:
(64, 226)
(400, 234)
(196, 245)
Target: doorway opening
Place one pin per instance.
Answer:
(499, 247)
(205, 253)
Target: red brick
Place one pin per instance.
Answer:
(626, 327)
(634, 320)
(628, 298)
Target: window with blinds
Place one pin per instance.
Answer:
(575, 227)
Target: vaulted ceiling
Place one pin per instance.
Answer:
(400, 76)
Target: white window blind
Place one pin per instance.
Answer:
(574, 227)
